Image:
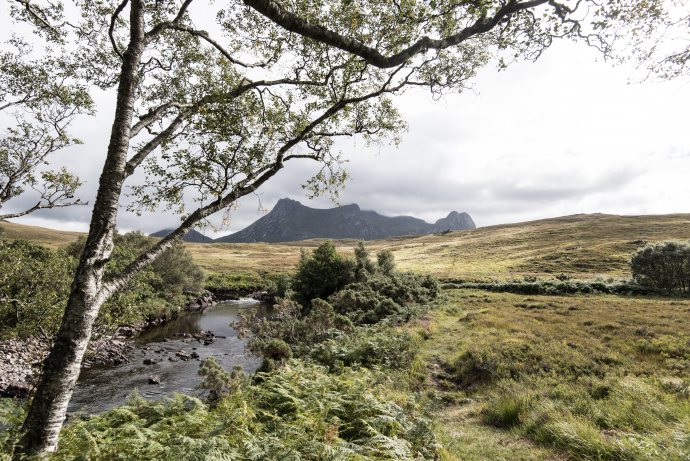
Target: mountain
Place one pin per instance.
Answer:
(290, 221)
(192, 236)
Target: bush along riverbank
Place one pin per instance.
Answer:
(334, 382)
(34, 286)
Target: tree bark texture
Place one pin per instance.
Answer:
(61, 368)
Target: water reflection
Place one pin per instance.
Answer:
(104, 387)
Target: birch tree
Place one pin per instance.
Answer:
(211, 118)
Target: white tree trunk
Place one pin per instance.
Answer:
(61, 369)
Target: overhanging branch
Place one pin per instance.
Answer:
(294, 23)
(117, 12)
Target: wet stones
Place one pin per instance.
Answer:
(108, 351)
(18, 360)
(148, 362)
(205, 337)
(201, 303)
(154, 379)
(183, 355)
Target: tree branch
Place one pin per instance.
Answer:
(119, 281)
(205, 35)
(292, 22)
(41, 21)
(117, 12)
(139, 157)
(38, 206)
(155, 114)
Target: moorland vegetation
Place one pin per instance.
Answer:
(275, 83)
(390, 364)
(436, 373)
(324, 388)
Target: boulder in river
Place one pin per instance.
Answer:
(183, 355)
(148, 362)
(154, 379)
(205, 337)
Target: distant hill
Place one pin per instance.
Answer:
(290, 221)
(192, 236)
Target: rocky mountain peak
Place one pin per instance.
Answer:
(291, 221)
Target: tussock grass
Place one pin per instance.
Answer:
(590, 376)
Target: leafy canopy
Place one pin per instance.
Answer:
(42, 95)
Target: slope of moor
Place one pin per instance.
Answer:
(580, 245)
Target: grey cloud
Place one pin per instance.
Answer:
(524, 149)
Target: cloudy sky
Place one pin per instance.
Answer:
(567, 134)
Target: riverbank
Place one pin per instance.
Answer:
(21, 359)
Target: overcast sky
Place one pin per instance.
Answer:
(564, 135)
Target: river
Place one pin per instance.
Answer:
(101, 388)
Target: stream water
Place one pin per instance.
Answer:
(101, 388)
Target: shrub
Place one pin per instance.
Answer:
(177, 272)
(289, 326)
(218, 381)
(367, 347)
(364, 263)
(321, 273)
(276, 354)
(244, 280)
(169, 275)
(280, 287)
(386, 261)
(34, 285)
(555, 287)
(383, 296)
(664, 265)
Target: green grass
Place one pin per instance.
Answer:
(582, 377)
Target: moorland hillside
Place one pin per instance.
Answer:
(582, 245)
